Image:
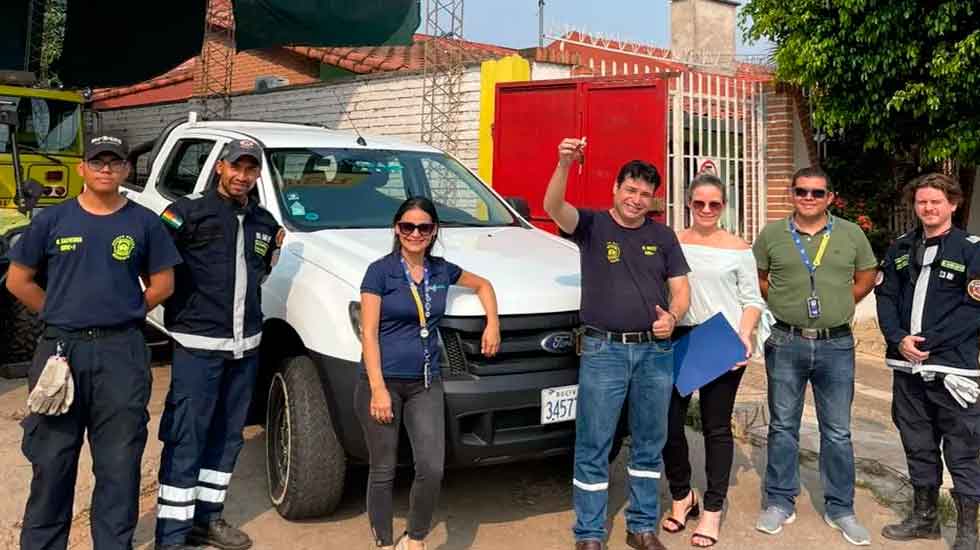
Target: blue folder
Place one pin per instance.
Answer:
(708, 351)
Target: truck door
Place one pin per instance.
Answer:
(186, 170)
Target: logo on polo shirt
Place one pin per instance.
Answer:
(649, 249)
(122, 247)
(613, 252)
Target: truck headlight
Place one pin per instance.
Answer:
(354, 310)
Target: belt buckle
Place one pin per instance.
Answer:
(810, 333)
(632, 337)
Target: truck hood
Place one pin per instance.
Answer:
(532, 271)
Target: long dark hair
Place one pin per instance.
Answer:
(424, 205)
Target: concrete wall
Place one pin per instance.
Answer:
(389, 104)
(550, 71)
(702, 26)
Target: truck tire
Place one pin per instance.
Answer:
(19, 329)
(305, 462)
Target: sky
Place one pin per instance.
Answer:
(514, 23)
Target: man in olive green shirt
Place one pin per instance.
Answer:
(813, 268)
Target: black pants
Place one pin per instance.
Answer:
(421, 411)
(927, 416)
(716, 400)
(112, 388)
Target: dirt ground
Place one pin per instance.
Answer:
(518, 506)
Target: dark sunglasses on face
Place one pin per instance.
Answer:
(714, 206)
(98, 164)
(802, 192)
(407, 228)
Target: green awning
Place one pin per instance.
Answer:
(269, 23)
(113, 43)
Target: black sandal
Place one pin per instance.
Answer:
(693, 512)
(708, 538)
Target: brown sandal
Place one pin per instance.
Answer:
(693, 512)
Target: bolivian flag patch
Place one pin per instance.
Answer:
(172, 219)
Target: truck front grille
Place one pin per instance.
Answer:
(523, 343)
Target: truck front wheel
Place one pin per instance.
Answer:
(305, 462)
(19, 329)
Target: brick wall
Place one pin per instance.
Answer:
(779, 151)
(249, 65)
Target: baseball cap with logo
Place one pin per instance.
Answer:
(242, 148)
(106, 144)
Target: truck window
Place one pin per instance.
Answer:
(184, 167)
(345, 188)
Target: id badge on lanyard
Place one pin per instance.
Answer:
(813, 310)
(424, 311)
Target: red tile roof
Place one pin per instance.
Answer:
(180, 73)
(397, 58)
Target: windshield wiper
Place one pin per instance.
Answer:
(39, 152)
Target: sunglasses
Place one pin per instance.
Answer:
(407, 228)
(714, 206)
(802, 192)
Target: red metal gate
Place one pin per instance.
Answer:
(623, 119)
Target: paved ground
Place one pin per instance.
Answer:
(521, 506)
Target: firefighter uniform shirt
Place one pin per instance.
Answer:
(625, 270)
(92, 263)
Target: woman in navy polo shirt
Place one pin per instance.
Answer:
(403, 298)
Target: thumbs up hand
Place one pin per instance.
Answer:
(663, 327)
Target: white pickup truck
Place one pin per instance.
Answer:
(336, 193)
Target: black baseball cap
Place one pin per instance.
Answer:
(106, 144)
(239, 148)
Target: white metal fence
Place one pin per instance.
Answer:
(718, 121)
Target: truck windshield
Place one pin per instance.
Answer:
(351, 188)
(48, 125)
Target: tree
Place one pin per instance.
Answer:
(902, 75)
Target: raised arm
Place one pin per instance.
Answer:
(563, 213)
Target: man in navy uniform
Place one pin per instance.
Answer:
(228, 243)
(93, 251)
(929, 312)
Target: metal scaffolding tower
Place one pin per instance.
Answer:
(442, 73)
(217, 60)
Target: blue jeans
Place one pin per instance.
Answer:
(610, 373)
(792, 361)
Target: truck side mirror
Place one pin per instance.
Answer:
(519, 204)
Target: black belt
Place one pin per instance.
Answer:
(642, 337)
(815, 333)
(91, 333)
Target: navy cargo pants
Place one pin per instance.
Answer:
(112, 378)
(201, 430)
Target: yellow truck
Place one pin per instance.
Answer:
(41, 138)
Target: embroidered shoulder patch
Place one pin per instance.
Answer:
(902, 262)
(973, 289)
(172, 219)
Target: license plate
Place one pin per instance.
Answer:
(558, 404)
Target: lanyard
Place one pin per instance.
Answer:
(424, 311)
(811, 267)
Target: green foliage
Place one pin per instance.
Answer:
(904, 75)
(52, 40)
